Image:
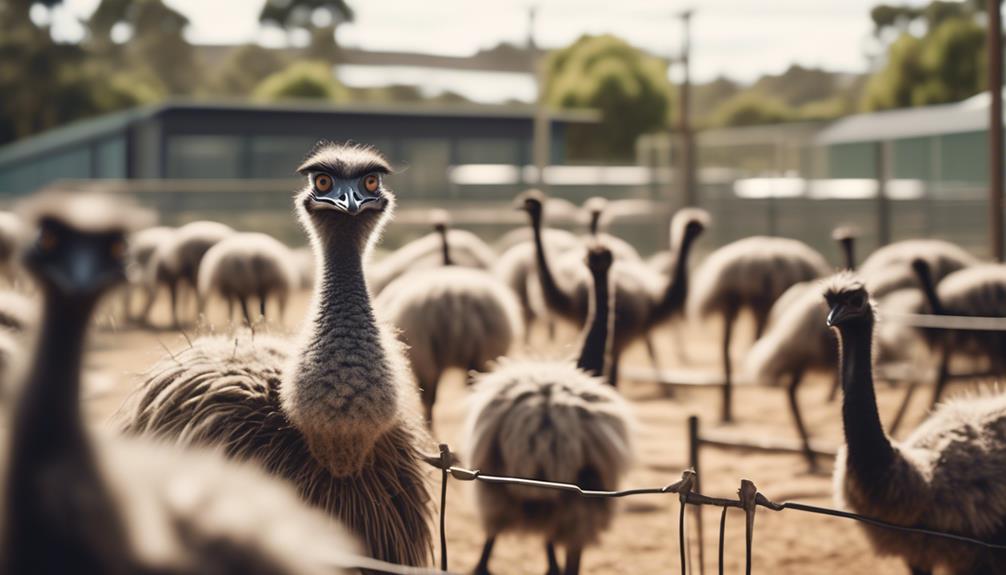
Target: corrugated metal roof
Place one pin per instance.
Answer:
(71, 133)
(971, 115)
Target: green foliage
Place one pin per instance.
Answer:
(798, 86)
(48, 84)
(825, 109)
(707, 98)
(954, 60)
(310, 80)
(893, 85)
(945, 64)
(629, 88)
(245, 68)
(750, 109)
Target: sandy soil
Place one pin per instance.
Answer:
(645, 534)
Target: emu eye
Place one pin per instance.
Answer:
(47, 241)
(323, 183)
(371, 183)
(118, 249)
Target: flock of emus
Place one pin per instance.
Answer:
(258, 454)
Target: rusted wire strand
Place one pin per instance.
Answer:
(748, 500)
(946, 322)
(723, 528)
(762, 501)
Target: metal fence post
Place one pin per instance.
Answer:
(694, 444)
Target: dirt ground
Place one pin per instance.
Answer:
(644, 537)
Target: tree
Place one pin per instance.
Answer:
(319, 18)
(893, 85)
(629, 88)
(245, 68)
(750, 109)
(945, 63)
(157, 49)
(46, 84)
(310, 80)
(954, 60)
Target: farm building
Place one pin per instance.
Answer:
(236, 141)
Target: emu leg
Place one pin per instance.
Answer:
(836, 384)
(680, 349)
(794, 408)
(553, 563)
(428, 391)
(173, 290)
(244, 310)
(943, 377)
(148, 304)
(550, 325)
(487, 550)
(760, 319)
(573, 555)
(726, 415)
(616, 357)
(261, 304)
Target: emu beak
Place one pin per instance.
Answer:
(347, 199)
(836, 315)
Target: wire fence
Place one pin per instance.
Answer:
(687, 489)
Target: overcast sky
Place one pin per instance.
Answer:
(741, 39)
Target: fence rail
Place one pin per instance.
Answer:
(748, 500)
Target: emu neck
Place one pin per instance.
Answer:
(596, 350)
(555, 297)
(340, 389)
(595, 223)
(445, 248)
(51, 457)
(870, 450)
(849, 252)
(929, 290)
(673, 300)
(48, 411)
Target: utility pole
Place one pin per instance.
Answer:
(995, 72)
(685, 166)
(541, 143)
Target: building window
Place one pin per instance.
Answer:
(278, 156)
(488, 151)
(204, 157)
(111, 158)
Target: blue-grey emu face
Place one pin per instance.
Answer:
(350, 195)
(345, 179)
(74, 262)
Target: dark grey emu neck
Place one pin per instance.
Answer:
(55, 494)
(340, 389)
(595, 354)
(676, 292)
(445, 246)
(556, 298)
(870, 454)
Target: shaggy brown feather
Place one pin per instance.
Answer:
(222, 392)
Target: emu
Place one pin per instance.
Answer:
(948, 475)
(554, 421)
(77, 502)
(335, 413)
